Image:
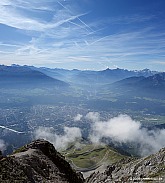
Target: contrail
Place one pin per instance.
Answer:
(77, 25)
(76, 44)
(85, 24)
(64, 21)
(77, 17)
(94, 31)
(15, 131)
(99, 39)
(86, 42)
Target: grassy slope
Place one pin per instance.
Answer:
(89, 157)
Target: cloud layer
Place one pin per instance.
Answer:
(119, 130)
(123, 129)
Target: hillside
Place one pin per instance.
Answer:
(87, 158)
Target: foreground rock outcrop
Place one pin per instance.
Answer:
(147, 169)
(37, 162)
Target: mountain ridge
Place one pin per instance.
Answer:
(104, 76)
(38, 161)
(88, 76)
(14, 76)
(76, 76)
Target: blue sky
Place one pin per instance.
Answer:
(83, 34)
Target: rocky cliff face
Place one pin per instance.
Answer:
(37, 162)
(148, 169)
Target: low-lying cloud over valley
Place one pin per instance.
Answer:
(59, 141)
(119, 130)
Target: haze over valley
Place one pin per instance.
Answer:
(64, 106)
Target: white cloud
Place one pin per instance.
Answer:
(123, 129)
(77, 117)
(59, 141)
(13, 18)
(93, 116)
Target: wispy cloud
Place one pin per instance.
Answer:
(159, 62)
(14, 19)
(136, 18)
(57, 33)
(29, 4)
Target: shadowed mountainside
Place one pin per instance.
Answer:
(145, 86)
(25, 77)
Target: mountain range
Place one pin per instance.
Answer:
(96, 77)
(62, 77)
(86, 86)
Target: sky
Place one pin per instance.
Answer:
(83, 34)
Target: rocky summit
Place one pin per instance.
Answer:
(37, 162)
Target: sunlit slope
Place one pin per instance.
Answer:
(87, 157)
